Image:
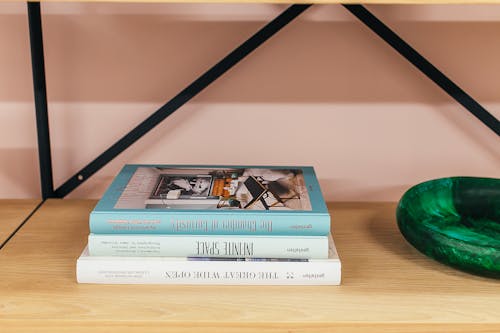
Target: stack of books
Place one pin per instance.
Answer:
(172, 224)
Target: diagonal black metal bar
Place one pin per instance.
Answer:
(184, 96)
(424, 66)
(40, 94)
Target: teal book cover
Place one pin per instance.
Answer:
(224, 200)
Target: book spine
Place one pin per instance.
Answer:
(209, 246)
(215, 224)
(140, 271)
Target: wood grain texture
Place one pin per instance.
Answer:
(387, 287)
(12, 214)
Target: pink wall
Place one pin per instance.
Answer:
(325, 92)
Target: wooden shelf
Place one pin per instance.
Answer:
(292, 1)
(13, 213)
(387, 286)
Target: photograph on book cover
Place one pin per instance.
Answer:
(182, 186)
(215, 188)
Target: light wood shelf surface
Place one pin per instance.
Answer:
(387, 287)
(12, 214)
(292, 1)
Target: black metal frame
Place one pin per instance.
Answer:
(40, 92)
(410, 54)
(203, 81)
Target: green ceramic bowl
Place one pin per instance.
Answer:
(455, 221)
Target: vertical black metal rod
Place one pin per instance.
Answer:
(184, 96)
(40, 94)
(424, 66)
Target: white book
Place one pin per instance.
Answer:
(222, 246)
(209, 271)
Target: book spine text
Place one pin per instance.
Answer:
(214, 224)
(321, 272)
(209, 246)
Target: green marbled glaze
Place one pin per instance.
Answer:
(455, 221)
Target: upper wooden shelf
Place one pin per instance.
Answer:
(293, 1)
(387, 287)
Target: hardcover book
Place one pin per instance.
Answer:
(216, 200)
(228, 246)
(207, 270)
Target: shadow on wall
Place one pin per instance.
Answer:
(115, 60)
(147, 58)
(480, 135)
